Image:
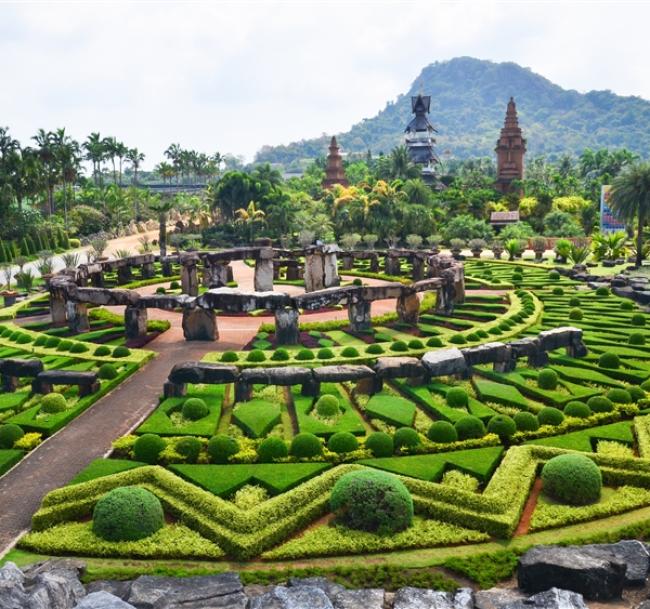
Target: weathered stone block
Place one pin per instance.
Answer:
(399, 367)
(135, 321)
(446, 362)
(200, 324)
(287, 330)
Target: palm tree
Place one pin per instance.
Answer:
(47, 154)
(174, 154)
(112, 151)
(67, 154)
(630, 199)
(121, 151)
(95, 148)
(162, 206)
(135, 157)
(166, 171)
(249, 218)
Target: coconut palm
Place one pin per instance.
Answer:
(630, 199)
(95, 147)
(162, 207)
(46, 152)
(135, 157)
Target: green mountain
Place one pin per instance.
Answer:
(468, 105)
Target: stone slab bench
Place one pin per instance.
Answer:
(87, 381)
(13, 369)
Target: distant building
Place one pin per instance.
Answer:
(499, 219)
(334, 172)
(511, 148)
(419, 137)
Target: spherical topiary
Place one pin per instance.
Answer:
(147, 448)
(306, 445)
(195, 409)
(280, 355)
(127, 513)
(327, 406)
(600, 403)
(619, 396)
(342, 442)
(609, 360)
(372, 501)
(434, 341)
(573, 479)
(406, 437)
(174, 285)
(502, 425)
(357, 281)
(121, 352)
(553, 275)
(626, 305)
(399, 346)
(229, 356)
(53, 403)
(102, 351)
(9, 433)
(638, 319)
(526, 421)
(349, 352)
(517, 277)
(221, 447)
(457, 397)
(575, 314)
(547, 379)
(577, 409)
(52, 342)
(558, 291)
(78, 348)
(272, 448)
(458, 339)
(636, 339)
(189, 447)
(602, 291)
(161, 290)
(64, 345)
(469, 427)
(256, 355)
(574, 301)
(415, 343)
(374, 349)
(442, 432)
(325, 353)
(636, 393)
(550, 416)
(380, 444)
(305, 354)
(107, 372)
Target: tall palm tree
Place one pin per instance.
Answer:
(135, 157)
(47, 154)
(630, 199)
(166, 171)
(121, 151)
(67, 155)
(174, 153)
(112, 149)
(162, 207)
(95, 147)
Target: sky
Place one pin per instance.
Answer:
(234, 76)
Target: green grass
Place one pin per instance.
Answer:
(391, 408)
(498, 393)
(104, 467)
(349, 420)
(8, 458)
(256, 417)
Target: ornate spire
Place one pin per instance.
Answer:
(334, 172)
(512, 121)
(510, 149)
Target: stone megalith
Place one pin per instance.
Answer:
(264, 270)
(287, 331)
(200, 324)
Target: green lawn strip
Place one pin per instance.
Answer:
(585, 440)
(423, 395)
(566, 365)
(585, 375)
(643, 354)
(392, 409)
(10, 401)
(345, 339)
(7, 313)
(94, 335)
(104, 467)
(8, 458)
(394, 334)
(474, 406)
(256, 417)
(80, 366)
(499, 393)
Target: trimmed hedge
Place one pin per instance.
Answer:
(305, 446)
(380, 444)
(442, 432)
(573, 479)
(147, 448)
(221, 447)
(343, 442)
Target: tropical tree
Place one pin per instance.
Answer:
(95, 147)
(67, 153)
(250, 218)
(166, 171)
(162, 206)
(46, 151)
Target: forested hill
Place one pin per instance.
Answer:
(468, 104)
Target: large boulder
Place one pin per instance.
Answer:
(422, 598)
(446, 362)
(295, 597)
(55, 590)
(632, 553)
(103, 600)
(504, 598)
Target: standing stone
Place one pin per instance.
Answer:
(215, 275)
(392, 264)
(330, 266)
(58, 306)
(347, 261)
(77, 317)
(135, 321)
(148, 270)
(166, 267)
(293, 272)
(408, 308)
(200, 324)
(189, 278)
(97, 280)
(124, 274)
(374, 263)
(314, 271)
(264, 270)
(418, 268)
(359, 315)
(287, 331)
(459, 283)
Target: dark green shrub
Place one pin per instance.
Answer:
(547, 379)
(636, 339)
(458, 339)
(574, 301)
(147, 448)
(517, 277)
(577, 409)
(550, 416)
(161, 290)
(357, 281)
(374, 349)
(189, 447)
(221, 447)
(121, 352)
(636, 393)
(626, 305)
(64, 345)
(78, 348)
(415, 343)
(280, 355)
(434, 341)
(573, 479)
(342, 442)
(646, 385)
(380, 444)
(127, 513)
(272, 448)
(305, 446)
(457, 397)
(502, 425)
(575, 314)
(558, 291)
(40, 340)
(102, 351)
(602, 291)
(638, 319)
(372, 501)
(229, 356)
(52, 342)
(256, 355)
(599, 403)
(553, 275)
(619, 396)
(305, 354)
(325, 353)
(399, 346)
(195, 409)
(53, 403)
(349, 352)
(442, 432)
(609, 360)
(174, 285)
(406, 437)
(9, 434)
(526, 421)
(469, 428)
(327, 406)
(107, 372)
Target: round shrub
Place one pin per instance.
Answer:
(194, 409)
(553, 275)
(442, 432)
(127, 513)
(526, 421)
(306, 445)
(9, 434)
(342, 442)
(280, 355)
(636, 339)
(406, 437)
(121, 352)
(415, 343)
(52, 342)
(502, 425)
(518, 269)
(272, 448)
(256, 355)
(458, 339)
(64, 345)
(380, 444)
(547, 379)
(53, 403)
(161, 290)
(457, 397)
(469, 427)
(572, 479)
(305, 354)
(599, 403)
(602, 291)
(229, 356)
(577, 409)
(619, 396)
(374, 349)
(550, 416)
(221, 447)
(575, 314)
(638, 319)
(399, 346)
(372, 501)
(174, 285)
(78, 348)
(147, 448)
(189, 447)
(434, 341)
(327, 406)
(349, 352)
(609, 360)
(558, 291)
(357, 281)
(636, 393)
(102, 351)
(517, 277)
(107, 372)
(626, 305)
(574, 301)
(325, 353)
(472, 337)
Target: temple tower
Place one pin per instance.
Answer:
(511, 147)
(334, 172)
(419, 137)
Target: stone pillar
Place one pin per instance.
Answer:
(359, 315)
(189, 279)
(459, 284)
(215, 275)
(443, 303)
(418, 268)
(174, 390)
(148, 270)
(293, 271)
(124, 274)
(374, 263)
(229, 274)
(287, 331)
(264, 270)
(408, 308)
(538, 359)
(276, 270)
(58, 306)
(9, 383)
(347, 261)
(331, 277)
(167, 270)
(243, 391)
(314, 271)
(97, 279)
(200, 324)
(77, 317)
(135, 321)
(310, 388)
(392, 265)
